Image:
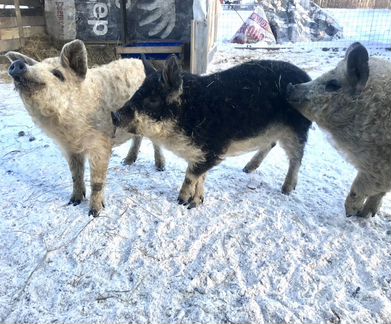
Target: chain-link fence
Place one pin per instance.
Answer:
(316, 23)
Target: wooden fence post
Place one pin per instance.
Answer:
(199, 47)
(203, 38)
(19, 21)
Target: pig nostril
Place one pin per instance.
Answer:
(17, 68)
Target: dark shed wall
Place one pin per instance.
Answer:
(101, 20)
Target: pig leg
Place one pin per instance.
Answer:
(363, 187)
(76, 165)
(198, 197)
(192, 191)
(133, 151)
(187, 192)
(160, 162)
(257, 159)
(372, 205)
(99, 162)
(294, 148)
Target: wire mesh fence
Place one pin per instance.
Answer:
(353, 4)
(367, 21)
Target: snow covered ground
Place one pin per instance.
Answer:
(248, 255)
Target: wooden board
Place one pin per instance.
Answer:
(25, 12)
(9, 33)
(30, 31)
(26, 21)
(19, 21)
(30, 3)
(204, 39)
(149, 49)
(9, 45)
(199, 47)
(13, 33)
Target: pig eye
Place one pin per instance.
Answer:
(332, 85)
(58, 75)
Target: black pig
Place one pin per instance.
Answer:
(203, 119)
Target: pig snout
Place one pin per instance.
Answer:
(17, 69)
(295, 93)
(289, 89)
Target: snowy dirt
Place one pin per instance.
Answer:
(249, 255)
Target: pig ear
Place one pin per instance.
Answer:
(149, 68)
(357, 66)
(74, 55)
(172, 73)
(13, 56)
(172, 80)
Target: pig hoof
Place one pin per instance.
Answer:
(182, 201)
(286, 190)
(192, 205)
(77, 197)
(370, 209)
(93, 212)
(74, 202)
(366, 214)
(128, 161)
(352, 212)
(196, 202)
(248, 169)
(160, 168)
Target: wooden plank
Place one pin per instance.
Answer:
(212, 51)
(30, 3)
(9, 12)
(9, 33)
(8, 22)
(13, 33)
(9, 45)
(212, 30)
(149, 49)
(26, 21)
(203, 39)
(19, 21)
(33, 20)
(211, 14)
(4, 60)
(24, 11)
(31, 11)
(216, 22)
(199, 47)
(30, 31)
